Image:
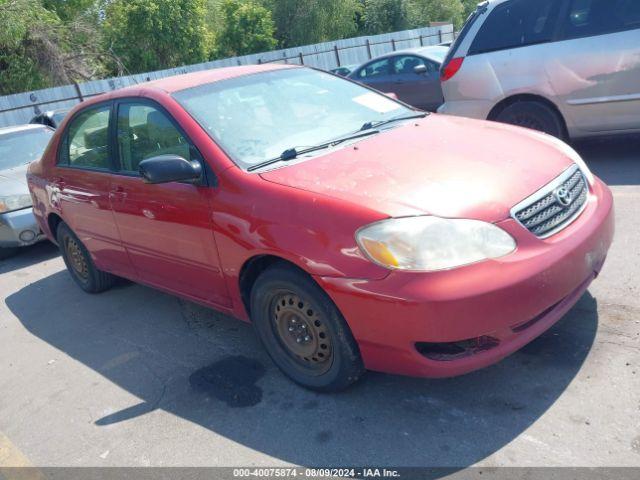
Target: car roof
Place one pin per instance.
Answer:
(188, 80)
(422, 51)
(177, 83)
(21, 128)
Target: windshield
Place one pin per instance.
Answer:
(22, 147)
(257, 117)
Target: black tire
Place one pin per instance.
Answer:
(7, 252)
(330, 360)
(534, 115)
(79, 263)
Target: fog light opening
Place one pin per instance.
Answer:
(448, 351)
(27, 236)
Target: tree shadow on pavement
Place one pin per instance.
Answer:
(211, 370)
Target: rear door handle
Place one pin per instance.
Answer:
(118, 192)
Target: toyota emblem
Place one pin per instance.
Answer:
(563, 196)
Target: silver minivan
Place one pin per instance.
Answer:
(570, 68)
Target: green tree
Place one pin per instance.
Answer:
(383, 16)
(38, 50)
(469, 6)
(247, 27)
(422, 12)
(156, 34)
(302, 22)
(68, 10)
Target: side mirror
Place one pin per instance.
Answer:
(169, 168)
(420, 69)
(391, 95)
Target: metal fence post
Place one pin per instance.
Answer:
(78, 91)
(421, 41)
(369, 49)
(301, 58)
(440, 34)
(393, 45)
(337, 52)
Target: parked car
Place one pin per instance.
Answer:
(50, 118)
(566, 67)
(344, 70)
(18, 147)
(353, 231)
(413, 75)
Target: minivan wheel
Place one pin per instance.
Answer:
(303, 331)
(533, 115)
(79, 263)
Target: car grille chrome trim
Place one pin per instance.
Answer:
(555, 206)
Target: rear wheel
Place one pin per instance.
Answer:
(303, 331)
(79, 263)
(533, 115)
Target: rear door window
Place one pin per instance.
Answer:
(86, 143)
(587, 18)
(517, 23)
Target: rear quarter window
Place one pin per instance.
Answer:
(599, 17)
(517, 23)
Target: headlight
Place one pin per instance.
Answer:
(431, 243)
(570, 153)
(14, 202)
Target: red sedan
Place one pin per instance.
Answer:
(353, 232)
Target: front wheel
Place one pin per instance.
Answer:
(303, 331)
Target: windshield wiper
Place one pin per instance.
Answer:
(293, 153)
(370, 125)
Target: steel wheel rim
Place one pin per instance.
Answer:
(302, 332)
(77, 259)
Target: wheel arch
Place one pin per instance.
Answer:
(251, 270)
(53, 220)
(527, 97)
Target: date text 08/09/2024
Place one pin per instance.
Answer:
(316, 472)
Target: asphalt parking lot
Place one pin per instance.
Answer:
(134, 377)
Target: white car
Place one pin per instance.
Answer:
(570, 68)
(19, 146)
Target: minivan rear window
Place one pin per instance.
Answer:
(473, 17)
(517, 23)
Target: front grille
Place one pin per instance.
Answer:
(555, 206)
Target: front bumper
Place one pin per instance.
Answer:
(509, 301)
(19, 229)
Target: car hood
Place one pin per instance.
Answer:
(13, 181)
(445, 166)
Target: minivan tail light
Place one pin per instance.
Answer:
(451, 68)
